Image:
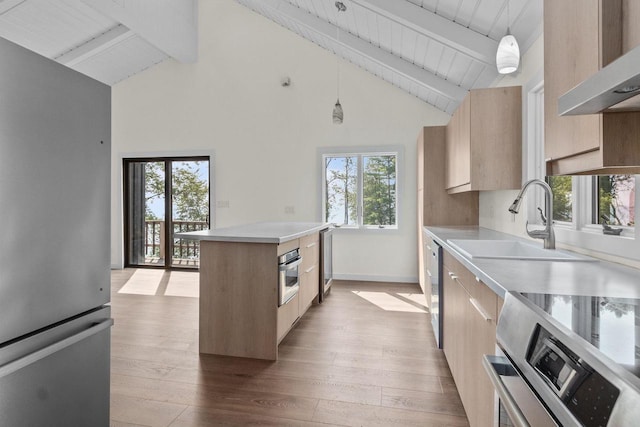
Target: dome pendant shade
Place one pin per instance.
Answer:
(338, 115)
(508, 55)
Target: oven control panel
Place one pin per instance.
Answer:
(588, 395)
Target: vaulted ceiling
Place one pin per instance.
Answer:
(434, 49)
(108, 40)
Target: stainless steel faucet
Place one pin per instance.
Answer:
(546, 234)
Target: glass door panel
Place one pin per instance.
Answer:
(189, 208)
(145, 198)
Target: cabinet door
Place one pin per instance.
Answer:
(309, 285)
(450, 137)
(287, 315)
(571, 54)
(458, 147)
(463, 144)
(482, 340)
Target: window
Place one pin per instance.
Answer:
(614, 200)
(360, 189)
(562, 197)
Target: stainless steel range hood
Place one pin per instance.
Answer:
(607, 89)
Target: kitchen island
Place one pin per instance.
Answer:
(239, 279)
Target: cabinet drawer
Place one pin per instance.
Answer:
(310, 251)
(287, 316)
(309, 286)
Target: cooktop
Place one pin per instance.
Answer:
(612, 325)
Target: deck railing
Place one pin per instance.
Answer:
(182, 249)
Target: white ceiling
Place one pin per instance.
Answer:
(434, 49)
(108, 40)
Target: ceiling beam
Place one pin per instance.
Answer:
(373, 53)
(95, 46)
(7, 5)
(170, 25)
(456, 36)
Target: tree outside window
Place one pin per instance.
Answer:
(360, 190)
(561, 186)
(615, 195)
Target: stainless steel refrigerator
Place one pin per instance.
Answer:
(54, 245)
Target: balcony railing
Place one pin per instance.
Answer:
(185, 252)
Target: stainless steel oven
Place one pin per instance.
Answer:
(289, 283)
(566, 361)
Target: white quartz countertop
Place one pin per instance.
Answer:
(600, 278)
(262, 232)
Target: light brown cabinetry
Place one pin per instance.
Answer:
(309, 271)
(239, 299)
(581, 37)
(287, 316)
(470, 313)
(436, 207)
(239, 313)
(484, 141)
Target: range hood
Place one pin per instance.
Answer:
(613, 88)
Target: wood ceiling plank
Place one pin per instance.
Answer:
(447, 32)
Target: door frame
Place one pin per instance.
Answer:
(125, 158)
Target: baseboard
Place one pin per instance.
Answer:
(367, 278)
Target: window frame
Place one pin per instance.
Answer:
(360, 153)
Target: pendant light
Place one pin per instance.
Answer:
(338, 114)
(508, 54)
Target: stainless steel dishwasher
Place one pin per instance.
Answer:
(435, 279)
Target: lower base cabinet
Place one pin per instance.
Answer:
(470, 314)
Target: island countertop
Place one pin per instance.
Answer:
(261, 232)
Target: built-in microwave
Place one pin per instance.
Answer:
(288, 282)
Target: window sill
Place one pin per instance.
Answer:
(367, 230)
(591, 239)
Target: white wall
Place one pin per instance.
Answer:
(265, 136)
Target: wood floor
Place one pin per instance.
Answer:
(365, 357)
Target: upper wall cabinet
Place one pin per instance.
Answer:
(581, 37)
(484, 141)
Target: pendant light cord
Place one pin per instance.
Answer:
(338, 58)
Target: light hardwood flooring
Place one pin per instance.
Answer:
(365, 357)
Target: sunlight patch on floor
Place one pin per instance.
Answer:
(143, 282)
(417, 298)
(392, 302)
(183, 284)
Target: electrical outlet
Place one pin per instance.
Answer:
(289, 210)
(222, 204)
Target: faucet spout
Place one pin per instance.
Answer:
(547, 234)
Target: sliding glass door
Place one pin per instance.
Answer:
(165, 196)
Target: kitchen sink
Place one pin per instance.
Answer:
(511, 249)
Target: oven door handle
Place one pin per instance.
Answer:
(510, 405)
(290, 265)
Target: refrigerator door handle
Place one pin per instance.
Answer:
(30, 358)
